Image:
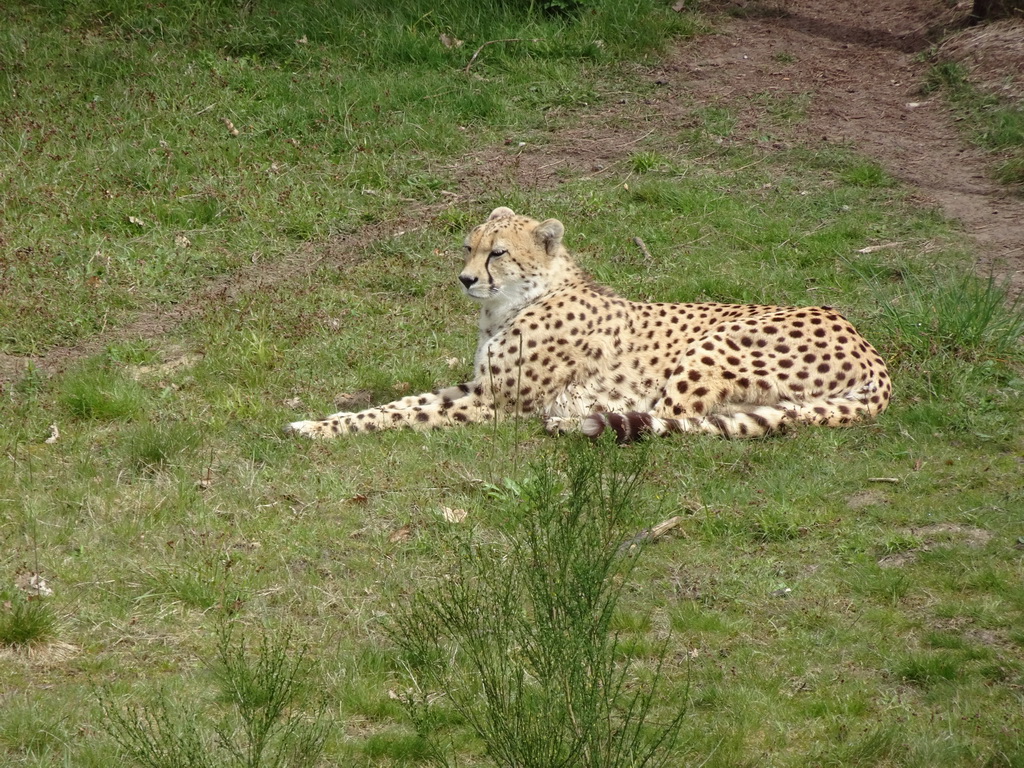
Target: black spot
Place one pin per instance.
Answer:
(760, 420)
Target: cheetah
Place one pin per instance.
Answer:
(553, 343)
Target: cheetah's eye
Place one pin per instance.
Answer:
(498, 252)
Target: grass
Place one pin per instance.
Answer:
(524, 637)
(171, 507)
(117, 131)
(265, 726)
(25, 622)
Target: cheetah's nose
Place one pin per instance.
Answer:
(468, 280)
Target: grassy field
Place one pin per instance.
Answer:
(225, 595)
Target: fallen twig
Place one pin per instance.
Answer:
(882, 247)
(643, 248)
(652, 533)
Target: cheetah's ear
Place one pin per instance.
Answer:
(501, 213)
(549, 233)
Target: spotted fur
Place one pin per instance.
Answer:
(553, 343)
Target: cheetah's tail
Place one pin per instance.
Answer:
(750, 421)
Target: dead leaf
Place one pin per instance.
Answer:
(32, 584)
(680, 6)
(136, 221)
(451, 42)
(230, 126)
(452, 362)
(182, 242)
(303, 40)
(401, 386)
(401, 534)
(453, 515)
(881, 247)
(358, 499)
(54, 435)
(291, 402)
(358, 399)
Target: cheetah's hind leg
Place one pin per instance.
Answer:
(561, 425)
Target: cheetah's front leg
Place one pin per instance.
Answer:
(463, 404)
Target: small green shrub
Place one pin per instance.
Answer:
(25, 622)
(151, 447)
(965, 317)
(645, 162)
(101, 393)
(925, 668)
(868, 175)
(945, 74)
(264, 725)
(519, 635)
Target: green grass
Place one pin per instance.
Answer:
(124, 188)
(25, 622)
(831, 597)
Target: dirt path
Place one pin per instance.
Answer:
(858, 63)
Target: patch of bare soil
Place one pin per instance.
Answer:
(936, 536)
(858, 62)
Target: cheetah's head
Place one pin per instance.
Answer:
(511, 258)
